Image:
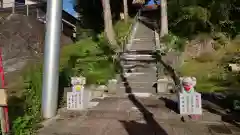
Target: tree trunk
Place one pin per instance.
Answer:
(125, 7)
(164, 19)
(108, 26)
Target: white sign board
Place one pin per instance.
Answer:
(79, 98)
(74, 100)
(190, 103)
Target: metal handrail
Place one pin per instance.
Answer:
(17, 4)
(129, 33)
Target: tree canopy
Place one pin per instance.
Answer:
(196, 16)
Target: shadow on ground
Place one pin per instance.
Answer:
(170, 104)
(222, 107)
(150, 125)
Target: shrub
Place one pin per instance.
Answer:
(174, 42)
(90, 59)
(28, 123)
(205, 57)
(220, 38)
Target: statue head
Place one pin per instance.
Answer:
(188, 83)
(78, 80)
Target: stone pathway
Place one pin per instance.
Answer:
(138, 63)
(134, 116)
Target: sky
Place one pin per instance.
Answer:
(151, 2)
(68, 7)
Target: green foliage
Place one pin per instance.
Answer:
(192, 17)
(93, 58)
(195, 13)
(220, 38)
(28, 123)
(90, 59)
(206, 57)
(174, 42)
(208, 75)
(122, 29)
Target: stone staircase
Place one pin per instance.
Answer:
(139, 69)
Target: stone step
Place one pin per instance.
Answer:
(139, 75)
(141, 38)
(136, 94)
(141, 43)
(141, 85)
(136, 62)
(129, 64)
(135, 65)
(137, 56)
(143, 46)
(147, 72)
(150, 52)
(150, 60)
(144, 41)
(141, 35)
(139, 70)
(141, 78)
(143, 29)
(122, 90)
(146, 32)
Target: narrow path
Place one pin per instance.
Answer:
(139, 66)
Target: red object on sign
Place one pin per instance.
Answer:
(187, 88)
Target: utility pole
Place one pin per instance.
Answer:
(51, 58)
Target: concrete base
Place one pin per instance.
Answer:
(112, 86)
(164, 85)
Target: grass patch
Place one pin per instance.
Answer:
(206, 57)
(203, 72)
(26, 114)
(121, 29)
(210, 70)
(174, 42)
